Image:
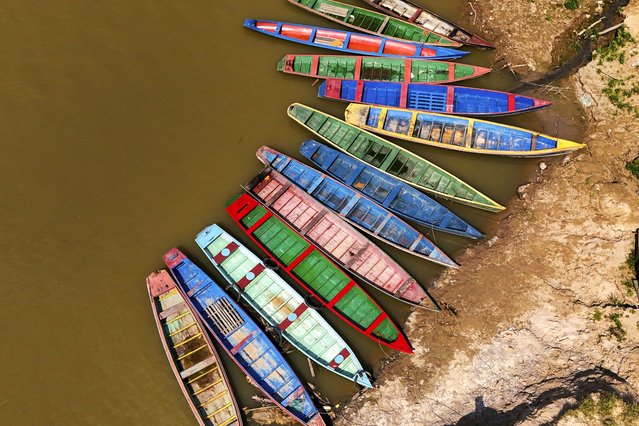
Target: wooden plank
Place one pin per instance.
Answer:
(340, 11)
(172, 310)
(450, 98)
(311, 223)
(198, 367)
(342, 293)
(383, 26)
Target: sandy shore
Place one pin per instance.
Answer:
(540, 316)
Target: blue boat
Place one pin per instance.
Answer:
(242, 340)
(359, 211)
(429, 97)
(351, 42)
(395, 195)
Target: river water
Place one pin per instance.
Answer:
(125, 128)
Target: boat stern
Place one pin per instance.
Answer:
(249, 23)
(208, 235)
(266, 155)
(564, 145)
(173, 257)
(479, 42)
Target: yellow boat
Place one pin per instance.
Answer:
(458, 133)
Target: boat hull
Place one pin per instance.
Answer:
(418, 71)
(457, 133)
(241, 338)
(280, 305)
(449, 99)
(348, 42)
(191, 354)
(311, 269)
(390, 158)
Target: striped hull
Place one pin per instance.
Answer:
(242, 340)
(457, 133)
(348, 42)
(304, 262)
(430, 98)
(391, 193)
(371, 22)
(334, 236)
(419, 71)
(191, 354)
(409, 12)
(280, 305)
(390, 158)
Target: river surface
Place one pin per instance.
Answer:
(125, 129)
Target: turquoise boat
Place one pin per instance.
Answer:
(280, 305)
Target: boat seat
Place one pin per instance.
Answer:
(172, 310)
(197, 367)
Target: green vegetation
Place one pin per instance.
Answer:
(607, 409)
(630, 287)
(633, 167)
(571, 4)
(616, 330)
(597, 316)
(618, 94)
(614, 49)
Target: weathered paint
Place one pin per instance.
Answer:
(320, 221)
(430, 97)
(348, 42)
(410, 12)
(457, 133)
(421, 71)
(242, 339)
(390, 158)
(391, 193)
(305, 263)
(372, 22)
(191, 354)
(280, 304)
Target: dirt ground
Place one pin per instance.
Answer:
(540, 315)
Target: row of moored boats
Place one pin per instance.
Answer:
(315, 222)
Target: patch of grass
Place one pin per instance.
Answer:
(630, 287)
(616, 330)
(572, 4)
(597, 316)
(613, 51)
(618, 94)
(633, 167)
(588, 407)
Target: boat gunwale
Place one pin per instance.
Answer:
(172, 361)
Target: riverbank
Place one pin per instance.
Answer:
(541, 314)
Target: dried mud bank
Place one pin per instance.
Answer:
(540, 315)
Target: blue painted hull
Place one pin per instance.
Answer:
(360, 211)
(418, 50)
(430, 97)
(398, 197)
(242, 339)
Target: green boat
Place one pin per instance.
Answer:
(390, 158)
(371, 22)
(378, 69)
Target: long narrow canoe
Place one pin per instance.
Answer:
(280, 304)
(411, 13)
(335, 237)
(192, 356)
(317, 191)
(371, 22)
(457, 133)
(311, 269)
(391, 193)
(243, 340)
(421, 71)
(430, 97)
(390, 158)
(349, 42)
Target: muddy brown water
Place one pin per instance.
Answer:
(125, 128)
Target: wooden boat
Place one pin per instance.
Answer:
(349, 42)
(242, 340)
(457, 133)
(430, 97)
(280, 305)
(411, 13)
(421, 71)
(390, 158)
(371, 22)
(311, 269)
(391, 193)
(192, 356)
(336, 238)
(316, 191)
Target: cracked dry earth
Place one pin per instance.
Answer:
(528, 333)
